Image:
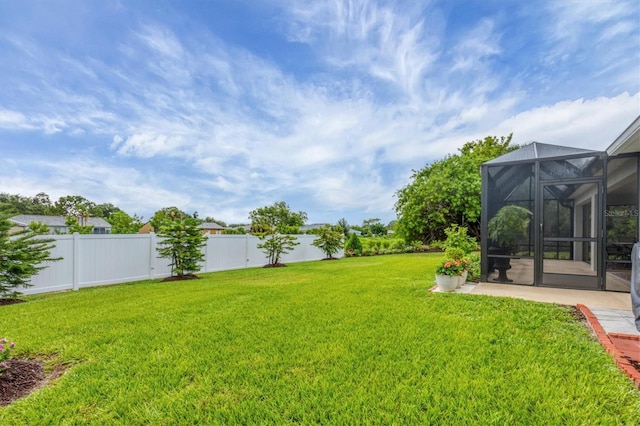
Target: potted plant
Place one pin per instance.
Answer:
(457, 255)
(507, 228)
(447, 273)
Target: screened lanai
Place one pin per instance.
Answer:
(559, 217)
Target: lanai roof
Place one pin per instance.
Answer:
(537, 150)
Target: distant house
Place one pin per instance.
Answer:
(146, 228)
(211, 228)
(57, 224)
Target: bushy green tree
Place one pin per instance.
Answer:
(329, 240)
(122, 223)
(447, 192)
(182, 242)
(274, 224)
(22, 255)
(165, 216)
(353, 244)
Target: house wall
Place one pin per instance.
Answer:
(93, 260)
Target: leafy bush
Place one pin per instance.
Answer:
(454, 253)
(458, 237)
(474, 266)
(353, 246)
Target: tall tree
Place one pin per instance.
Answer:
(277, 217)
(447, 192)
(73, 205)
(166, 215)
(122, 223)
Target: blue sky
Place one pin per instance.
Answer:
(221, 107)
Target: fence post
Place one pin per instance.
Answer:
(152, 249)
(76, 261)
(246, 250)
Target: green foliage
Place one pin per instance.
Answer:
(182, 243)
(344, 226)
(446, 192)
(275, 245)
(5, 353)
(353, 245)
(21, 256)
(122, 223)
(39, 204)
(474, 267)
(165, 216)
(73, 205)
(274, 225)
(449, 267)
(277, 217)
(329, 240)
(454, 253)
(234, 231)
(457, 237)
(509, 226)
(39, 228)
(74, 225)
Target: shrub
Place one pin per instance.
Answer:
(457, 237)
(474, 266)
(5, 353)
(353, 245)
(454, 253)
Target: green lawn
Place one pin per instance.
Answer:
(354, 341)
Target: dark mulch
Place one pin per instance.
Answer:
(181, 278)
(275, 265)
(23, 377)
(10, 301)
(330, 258)
(20, 379)
(635, 364)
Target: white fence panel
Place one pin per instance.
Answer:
(93, 260)
(58, 275)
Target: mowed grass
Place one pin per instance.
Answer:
(354, 341)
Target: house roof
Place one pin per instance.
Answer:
(537, 150)
(628, 141)
(211, 225)
(26, 219)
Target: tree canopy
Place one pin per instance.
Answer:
(447, 192)
(277, 217)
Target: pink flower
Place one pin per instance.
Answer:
(12, 345)
(4, 364)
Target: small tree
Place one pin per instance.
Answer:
(329, 240)
(275, 245)
(273, 224)
(182, 243)
(353, 244)
(21, 256)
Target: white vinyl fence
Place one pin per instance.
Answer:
(93, 260)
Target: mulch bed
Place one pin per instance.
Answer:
(23, 377)
(20, 379)
(181, 278)
(275, 265)
(10, 301)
